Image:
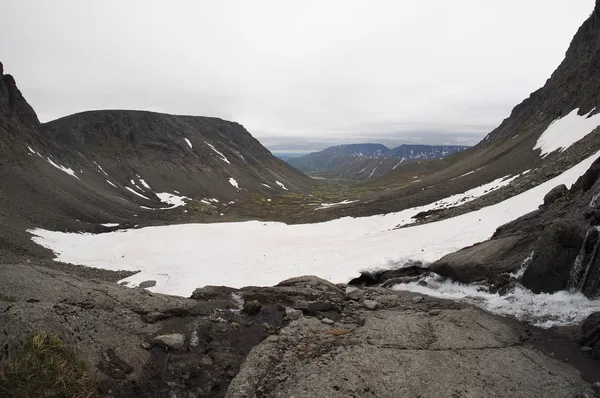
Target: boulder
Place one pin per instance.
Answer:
(212, 292)
(147, 284)
(293, 314)
(373, 278)
(554, 255)
(555, 194)
(477, 262)
(252, 307)
(354, 293)
(310, 281)
(590, 334)
(173, 341)
(371, 304)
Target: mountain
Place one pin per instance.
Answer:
(120, 166)
(330, 157)
(366, 161)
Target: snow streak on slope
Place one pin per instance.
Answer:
(223, 158)
(63, 168)
(566, 131)
(183, 257)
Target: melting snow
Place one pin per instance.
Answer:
(281, 185)
(233, 182)
(101, 169)
(565, 131)
(63, 168)
(178, 256)
(144, 183)
(188, 142)
(173, 200)
(223, 158)
(136, 193)
(328, 205)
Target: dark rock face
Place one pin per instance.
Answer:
(555, 254)
(590, 334)
(252, 307)
(574, 84)
(555, 194)
(585, 273)
(408, 273)
(477, 262)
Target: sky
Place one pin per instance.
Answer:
(301, 75)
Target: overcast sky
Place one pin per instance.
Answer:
(299, 75)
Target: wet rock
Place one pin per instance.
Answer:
(371, 304)
(477, 262)
(252, 307)
(147, 284)
(555, 253)
(173, 341)
(354, 293)
(590, 334)
(368, 278)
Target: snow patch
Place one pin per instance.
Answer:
(171, 199)
(223, 158)
(136, 193)
(269, 252)
(281, 185)
(266, 185)
(110, 224)
(189, 143)
(111, 184)
(565, 131)
(63, 168)
(100, 168)
(328, 205)
(233, 182)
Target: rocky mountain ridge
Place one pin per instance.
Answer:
(367, 161)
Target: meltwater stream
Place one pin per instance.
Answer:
(543, 310)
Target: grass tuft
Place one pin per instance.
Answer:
(45, 367)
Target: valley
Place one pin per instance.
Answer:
(177, 256)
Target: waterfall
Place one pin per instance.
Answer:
(585, 274)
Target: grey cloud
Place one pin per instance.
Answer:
(293, 73)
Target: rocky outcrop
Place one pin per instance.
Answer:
(403, 349)
(477, 262)
(590, 334)
(309, 338)
(554, 255)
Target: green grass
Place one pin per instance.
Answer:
(45, 367)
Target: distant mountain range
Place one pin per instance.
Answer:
(365, 161)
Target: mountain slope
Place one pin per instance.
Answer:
(127, 167)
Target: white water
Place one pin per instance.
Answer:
(543, 310)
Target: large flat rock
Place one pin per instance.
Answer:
(430, 350)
